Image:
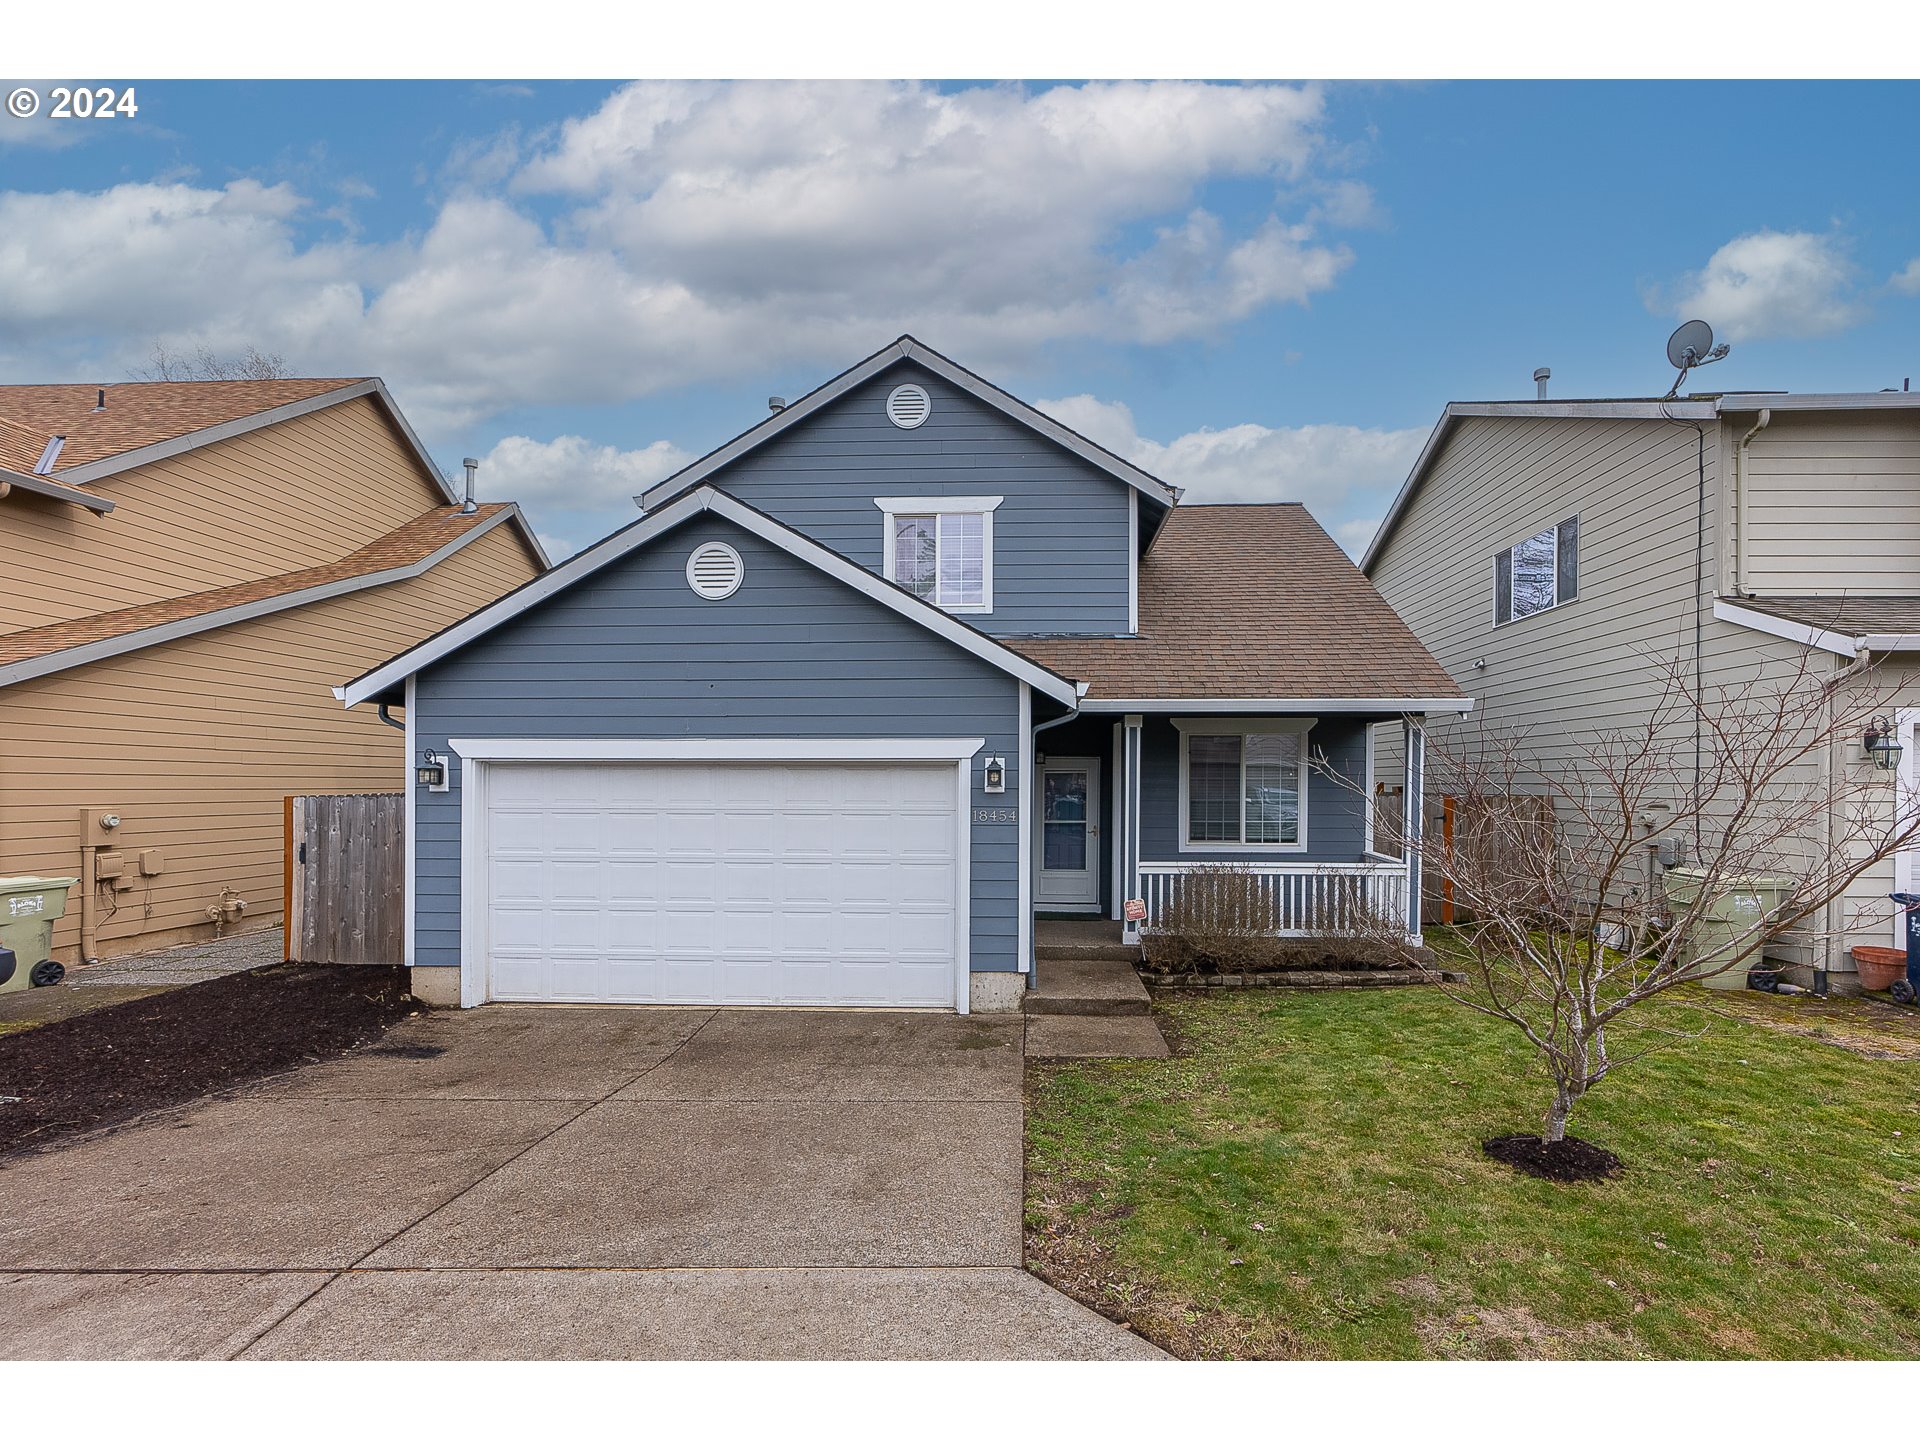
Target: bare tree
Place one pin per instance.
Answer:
(1556, 867)
(204, 364)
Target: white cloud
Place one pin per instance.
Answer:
(572, 474)
(1344, 474)
(1907, 281)
(707, 230)
(1769, 284)
(1316, 464)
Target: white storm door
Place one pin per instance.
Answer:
(1067, 846)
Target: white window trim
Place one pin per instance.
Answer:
(1283, 725)
(892, 506)
(710, 751)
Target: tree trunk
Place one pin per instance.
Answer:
(1556, 1126)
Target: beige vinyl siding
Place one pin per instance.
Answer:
(1634, 485)
(1833, 504)
(196, 743)
(1570, 675)
(300, 493)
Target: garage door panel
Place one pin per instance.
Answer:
(723, 884)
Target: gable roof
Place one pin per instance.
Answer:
(1691, 408)
(705, 500)
(141, 413)
(1254, 603)
(401, 554)
(905, 349)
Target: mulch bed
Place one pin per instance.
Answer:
(111, 1065)
(1567, 1159)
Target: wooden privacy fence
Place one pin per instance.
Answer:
(1509, 835)
(346, 878)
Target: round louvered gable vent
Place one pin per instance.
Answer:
(908, 406)
(715, 571)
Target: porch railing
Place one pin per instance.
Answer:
(1294, 899)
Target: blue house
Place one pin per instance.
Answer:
(871, 687)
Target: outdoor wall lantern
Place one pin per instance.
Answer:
(996, 776)
(1880, 745)
(433, 771)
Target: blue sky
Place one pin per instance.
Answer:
(1259, 291)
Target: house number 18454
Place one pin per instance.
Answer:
(995, 815)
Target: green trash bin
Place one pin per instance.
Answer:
(1743, 901)
(29, 904)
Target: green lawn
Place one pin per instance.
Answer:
(1305, 1179)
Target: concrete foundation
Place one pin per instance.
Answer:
(993, 991)
(436, 985)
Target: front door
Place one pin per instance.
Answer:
(1067, 849)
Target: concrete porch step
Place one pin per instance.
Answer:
(1113, 953)
(1094, 1037)
(1086, 987)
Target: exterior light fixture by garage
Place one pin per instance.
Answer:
(1880, 745)
(715, 570)
(908, 406)
(996, 781)
(432, 773)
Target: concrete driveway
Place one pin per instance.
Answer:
(562, 1183)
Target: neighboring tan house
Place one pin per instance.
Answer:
(189, 566)
(1544, 550)
(871, 687)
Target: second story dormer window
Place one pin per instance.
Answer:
(941, 548)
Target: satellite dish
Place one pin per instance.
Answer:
(1689, 345)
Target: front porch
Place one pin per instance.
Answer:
(1134, 807)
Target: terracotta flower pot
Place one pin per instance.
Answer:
(1879, 965)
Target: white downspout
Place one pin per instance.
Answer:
(1841, 675)
(1739, 585)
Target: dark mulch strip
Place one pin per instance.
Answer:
(111, 1065)
(1567, 1159)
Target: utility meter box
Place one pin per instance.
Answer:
(29, 904)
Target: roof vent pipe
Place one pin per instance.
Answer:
(1540, 378)
(776, 403)
(470, 505)
(99, 400)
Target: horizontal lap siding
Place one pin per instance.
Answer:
(631, 652)
(1833, 505)
(1557, 677)
(301, 493)
(1060, 557)
(196, 741)
(1336, 813)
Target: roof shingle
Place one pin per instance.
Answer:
(397, 549)
(1842, 614)
(1250, 602)
(137, 414)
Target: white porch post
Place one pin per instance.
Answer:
(1129, 810)
(1414, 814)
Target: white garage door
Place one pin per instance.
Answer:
(744, 883)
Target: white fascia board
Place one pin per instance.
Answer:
(234, 614)
(910, 750)
(1256, 706)
(687, 507)
(906, 348)
(1820, 639)
(99, 504)
(1866, 400)
(226, 430)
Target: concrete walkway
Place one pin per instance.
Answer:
(562, 1183)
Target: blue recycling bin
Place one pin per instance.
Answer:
(1911, 902)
